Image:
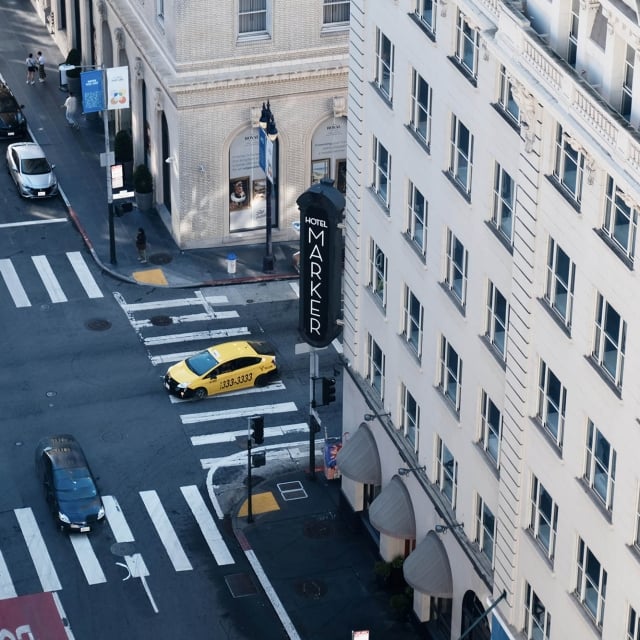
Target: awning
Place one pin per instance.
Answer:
(358, 459)
(392, 512)
(427, 568)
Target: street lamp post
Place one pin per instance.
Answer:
(268, 125)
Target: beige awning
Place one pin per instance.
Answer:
(427, 568)
(358, 459)
(392, 512)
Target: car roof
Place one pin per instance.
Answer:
(27, 150)
(63, 450)
(238, 348)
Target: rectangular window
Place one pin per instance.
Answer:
(336, 11)
(455, 276)
(420, 121)
(384, 64)
(450, 381)
(537, 621)
(160, 9)
(610, 339)
(427, 13)
(381, 171)
(497, 318)
(503, 203)
(544, 517)
(485, 534)
(572, 52)
(413, 321)
(446, 473)
(569, 165)
(461, 158)
(633, 627)
(627, 84)
(375, 369)
(600, 466)
(506, 100)
(620, 220)
(591, 585)
(490, 428)
(467, 45)
(561, 274)
(378, 272)
(552, 400)
(252, 16)
(410, 417)
(417, 218)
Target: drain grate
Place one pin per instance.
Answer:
(311, 589)
(161, 321)
(160, 258)
(98, 324)
(240, 585)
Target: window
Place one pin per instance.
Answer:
(252, 16)
(413, 321)
(446, 473)
(497, 317)
(467, 45)
(490, 428)
(552, 400)
(455, 276)
(561, 273)
(537, 621)
(336, 11)
(427, 12)
(384, 64)
(485, 529)
(633, 627)
(376, 364)
(420, 121)
(569, 165)
(503, 203)
(450, 373)
(620, 220)
(627, 84)
(591, 586)
(378, 273)
(572, 52)
(417, 218)
(506, 100)
(610, 338)
(461, 160)
(410, 417)
(381, 171)
(544, 517)
(600, 466)
(160, 9)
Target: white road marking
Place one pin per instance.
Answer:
(295, 285)
(88, 559)
(63, 616)
(137, 568)
(207, 525)
(84, 275)
(38, 550)
(165, 531)
(274, 386)
(230, 436)
(180, 302)
(16, 290)
(49, 279)
(194, 317)
(116, 520)
(172, 357)
(7, 590)
(213, 334)
(282, 407)
(26, 223)
(286, 451)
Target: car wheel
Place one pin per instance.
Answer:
(200, 393)
(261, 381)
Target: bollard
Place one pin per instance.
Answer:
(231, 263)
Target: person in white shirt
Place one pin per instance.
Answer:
(71, 104)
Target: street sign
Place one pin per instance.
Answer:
(117, 176)
(107, 159)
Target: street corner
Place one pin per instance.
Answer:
(260, 503)
(150, 276)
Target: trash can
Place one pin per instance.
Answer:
(231, 262)
(62, 70)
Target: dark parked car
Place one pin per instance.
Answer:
(13, 124)
(69, 485)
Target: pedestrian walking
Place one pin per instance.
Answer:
(42, 75)
(71, 104)
(32, 67)
(141, 245)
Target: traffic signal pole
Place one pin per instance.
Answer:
(314, 372)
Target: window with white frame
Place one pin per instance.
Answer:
(569, 165)
(376, 366)
(552, 401)
(537, 621)
(446, 473)
(543, 524)
(485, 533)
(574, 23)
(620, 219)
(427, 13)
(600, 466)
(467, 45)
(461, 157)
(336, 12)
(417, 218)
(252, 17)
(503, 203)
(633, 625)
(160, 9)
(561, 274)
(626, 100)
(506, 100)
(490, 428)
(410, 417)
(381, 171)
(497, 318)
(413, 321)
(455, 276)
(420, 121)
(591, 584)
(378, 272)
(450, 379)
(384, 64)
(610, 341)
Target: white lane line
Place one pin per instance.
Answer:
(63, 616)
(165, 531)
(214, 334)
(230, 436)
(88, 559)
(26, 223)
(7, 590)
(274, 386)
(38, 550)
(282, 407)
(194, 317)
(12, 281)
(172, 357)
(116, 520)
(84, 275)
(49, 279)
(207, 525)
(180, 302)
(295, 285)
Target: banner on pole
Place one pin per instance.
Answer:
(92, 83)
(118, 88)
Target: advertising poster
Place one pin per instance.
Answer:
(92, 90)
(118, 96)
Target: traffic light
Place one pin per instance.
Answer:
(328, 390)
(259, 459)
(256, 424)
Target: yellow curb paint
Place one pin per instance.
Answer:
(260, 503)
(150, 276)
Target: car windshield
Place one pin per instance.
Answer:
(74, 483)
(7, 104)
(35, 166)
(201, 363)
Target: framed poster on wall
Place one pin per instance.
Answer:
(319, 170)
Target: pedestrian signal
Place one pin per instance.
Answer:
(328, 390)
(256, 424)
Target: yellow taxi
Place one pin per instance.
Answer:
(224, 367)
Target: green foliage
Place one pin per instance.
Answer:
(382, 569)
(142, 179)
(397, 562)
(123, 147)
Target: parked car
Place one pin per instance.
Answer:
(31, 171)
(225, 367)
(13, 124)
(69, 485)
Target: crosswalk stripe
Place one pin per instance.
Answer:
(16, 290)
(282, 407)
(7, 589)
(116, 520)
(84, 275)
(179, 302)
(194, 317)
(165, 531)
(207, 525)
(230, 436)
(49, 279)
(38, 550)
(214, 334)
(88, 559)
(274, 386)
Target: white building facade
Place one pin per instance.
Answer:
(491, 333)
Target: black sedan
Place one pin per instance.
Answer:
(13, 124)
(69, 485)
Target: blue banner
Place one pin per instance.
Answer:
(92, 90)
(262, 149)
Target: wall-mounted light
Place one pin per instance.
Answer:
(442, 528)
(404, 471)
(368, 417)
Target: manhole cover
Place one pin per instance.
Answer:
(98, 324)
(249, 300)
(317, 529)
(161, 321)
(312, 589)
(160, 258)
